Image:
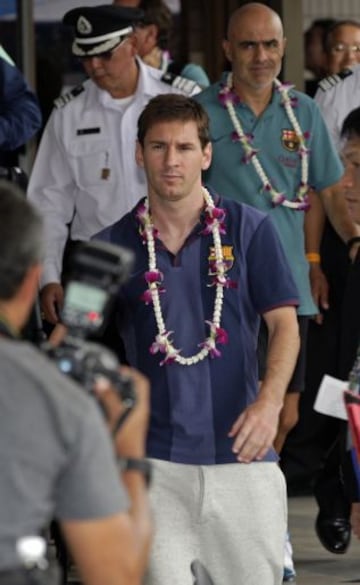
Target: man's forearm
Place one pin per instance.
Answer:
(314, 224)
(140, 513)
(283, 349)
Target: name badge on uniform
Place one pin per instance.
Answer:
(85, 131)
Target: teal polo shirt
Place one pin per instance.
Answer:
(232, 178)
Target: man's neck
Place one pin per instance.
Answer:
(256, 99)
(176, 220)
(128, 85)
(154, 58)
(7, 327)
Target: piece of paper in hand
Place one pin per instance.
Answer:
(330, 397)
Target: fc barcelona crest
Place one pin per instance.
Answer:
(290, 140)
(227, 255)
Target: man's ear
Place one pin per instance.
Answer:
(139, 154)
(227, 49)
(132, 39)
(31, 281)
(207, 156)
(152, 34)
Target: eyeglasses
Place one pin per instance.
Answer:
(344, 48)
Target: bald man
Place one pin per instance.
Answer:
(269, 144)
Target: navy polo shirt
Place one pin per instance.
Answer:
(193, 407)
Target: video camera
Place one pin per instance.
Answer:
(96, 270)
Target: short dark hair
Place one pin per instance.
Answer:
(334, 27)
(321, 24)
(21, 238)
(171, 108)
(351, 125)
(157, 12)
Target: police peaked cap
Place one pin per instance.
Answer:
(99, 29)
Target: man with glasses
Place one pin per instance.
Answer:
(336, 100)
(85, 176)
(342, 45)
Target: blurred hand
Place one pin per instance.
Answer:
(319, 289)
(51, 301)
(354, 251)
(131, 437)
(57, 335)
(254, 430)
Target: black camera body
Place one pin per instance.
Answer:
(96, 270)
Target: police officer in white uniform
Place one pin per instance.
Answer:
(337, 96)
(85, 176)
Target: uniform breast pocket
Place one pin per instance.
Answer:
(91, 162)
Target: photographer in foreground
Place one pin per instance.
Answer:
(56, 456)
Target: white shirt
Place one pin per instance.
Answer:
(337, 96)
(85, 172)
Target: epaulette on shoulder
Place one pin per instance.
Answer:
(332, 80)
(187, 85)
(64, 99)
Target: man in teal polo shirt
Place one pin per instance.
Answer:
(270, 145)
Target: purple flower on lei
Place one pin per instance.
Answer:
(162, 344)
(278, 199)
(214, 216)
(226, 95)
(303, 204)
(154, 278)
(246, 159)
(218, 335)
(223, 280)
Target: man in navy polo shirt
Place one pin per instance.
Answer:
(206, 269)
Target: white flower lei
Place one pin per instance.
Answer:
(154, 278)
(228, 98)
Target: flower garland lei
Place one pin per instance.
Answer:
(214, 224)
(228, 99)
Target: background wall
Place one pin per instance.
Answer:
(343, 9)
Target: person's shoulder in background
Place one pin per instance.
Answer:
(196, 73)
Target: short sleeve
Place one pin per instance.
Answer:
(89, 485)
(270, 277)
(325, 167)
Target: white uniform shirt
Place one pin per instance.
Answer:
(337, 96)
(85, 172)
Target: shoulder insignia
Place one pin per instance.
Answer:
(332, 80)
(187, 85)
(64, 99)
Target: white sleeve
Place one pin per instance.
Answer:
(328, 102)
(52, 190)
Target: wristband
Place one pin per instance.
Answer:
(313, 257)
(142, 465)
(352, 241)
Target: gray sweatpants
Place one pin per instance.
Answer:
(232, 518)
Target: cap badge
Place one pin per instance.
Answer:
(83, 26)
